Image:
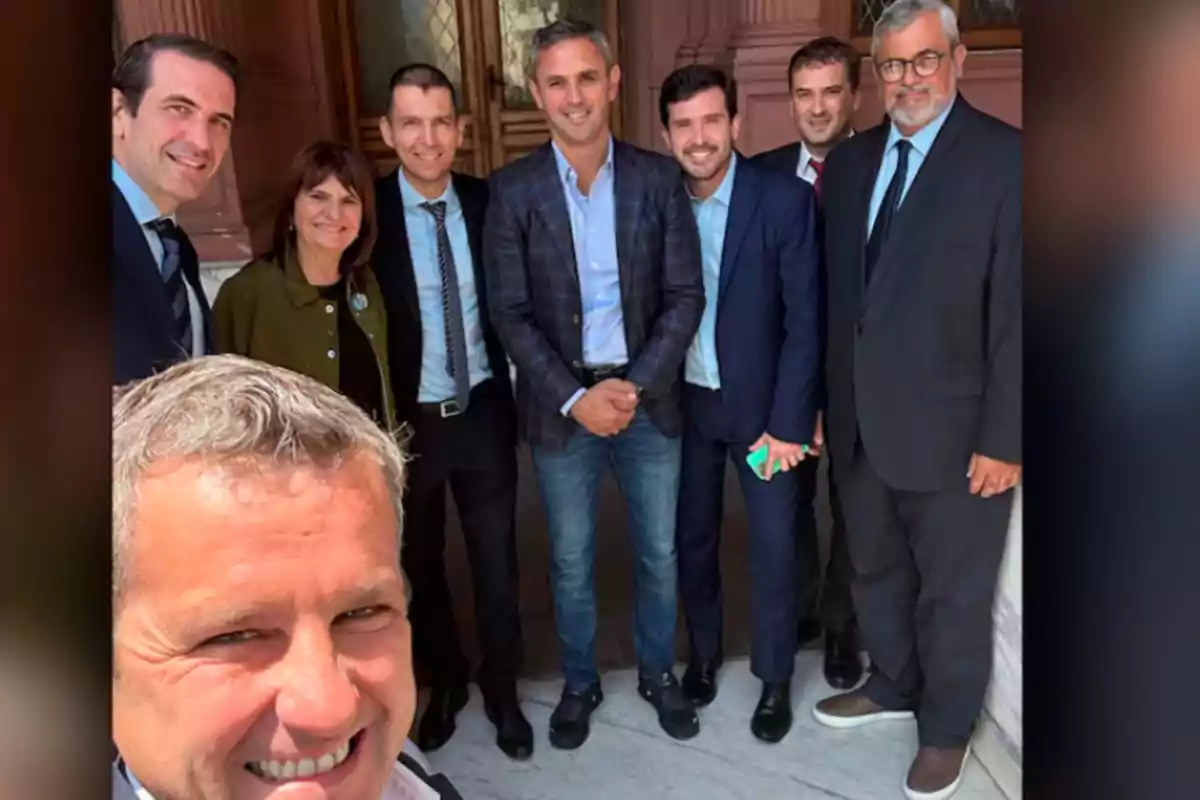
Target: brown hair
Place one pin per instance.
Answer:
(311, 167)
(828, 50)
(131, 75)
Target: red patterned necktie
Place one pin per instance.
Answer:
(817, 167)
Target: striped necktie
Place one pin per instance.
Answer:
(456, 339)
(172, 274)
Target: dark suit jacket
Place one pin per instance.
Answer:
(925, 365)
(768, 301)
(533, 285)
(391, 261)
(143, 323)
(781, 159)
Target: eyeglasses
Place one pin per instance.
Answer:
(925, 64)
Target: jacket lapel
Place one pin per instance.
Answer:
(908, 224)
(473, 215)
(628, 190)
(134, 256)
(393, 227)
(743, 203)
(552, 206)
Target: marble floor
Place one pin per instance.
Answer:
(628, 757)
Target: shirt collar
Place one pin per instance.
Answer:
(411, 198)
(567, 173)
(806, 155)
(140, 204)
(922, 141)
(724, 191)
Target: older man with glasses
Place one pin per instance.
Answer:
(923, 241)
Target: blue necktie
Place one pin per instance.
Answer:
(456, 338)
(891, 201)
(172, 274)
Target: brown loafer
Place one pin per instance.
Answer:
(936, 773)
(854, 709)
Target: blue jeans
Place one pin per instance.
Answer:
(646, 464)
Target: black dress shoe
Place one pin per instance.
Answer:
(843, 667)
(807, 631)
(700, 681)
(773, 716)
(676, 714)
(437, 723)
(514, 735)
(569, 722)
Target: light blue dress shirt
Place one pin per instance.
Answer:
(143, 208)
(145, 212)
(594, 232)
(921, 141)
(436, 384)
(712, 216)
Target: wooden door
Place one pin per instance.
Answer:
(480, 44)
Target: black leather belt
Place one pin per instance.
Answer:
(451, 408)
(590, 376)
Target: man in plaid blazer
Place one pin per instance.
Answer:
(593, 269)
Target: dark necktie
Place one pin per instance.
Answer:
(891, 201)
(456, 339)
(172, 274)
(817, 167)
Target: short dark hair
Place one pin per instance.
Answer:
(424, 77)
(311, 167)
(689, 81)
(131, 76)
(828, 50)
(564, 30)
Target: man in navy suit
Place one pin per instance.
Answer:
(593, 270)
(751, 381)
(172, 104)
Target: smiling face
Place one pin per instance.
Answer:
(261, 645)
(327, 217)
(914, 101)
(575, 89)
(174, 141)
(822, 103)
(424, 131)
(701, 134)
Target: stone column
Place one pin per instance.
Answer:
(214, 220)
(767, 33)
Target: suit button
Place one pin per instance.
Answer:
(329, 308)
(575, 318)
(858, 329)
(331, 353)
(577, 364)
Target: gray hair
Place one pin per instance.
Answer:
(902, 13)
(235, 411)
(561, 31)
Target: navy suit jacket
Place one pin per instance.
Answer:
(533, 285)
(768, 307)
(143, 323)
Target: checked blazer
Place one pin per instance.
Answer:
(534, 295)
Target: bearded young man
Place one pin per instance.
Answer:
(751, 380)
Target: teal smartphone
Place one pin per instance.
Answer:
(758, 457)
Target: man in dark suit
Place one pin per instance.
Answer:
(923, 241)
(751, 380)
(594, 283)
(172, 104)
(452, 387)
(823, 81)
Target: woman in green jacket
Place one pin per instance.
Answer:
(312, 304)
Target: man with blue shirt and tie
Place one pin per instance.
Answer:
(752, 380)
(451, 382)
(923, 252)
(173, 99)
(594, 283)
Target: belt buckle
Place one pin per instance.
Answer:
(449, 408)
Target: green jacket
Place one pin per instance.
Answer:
(275, 315)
